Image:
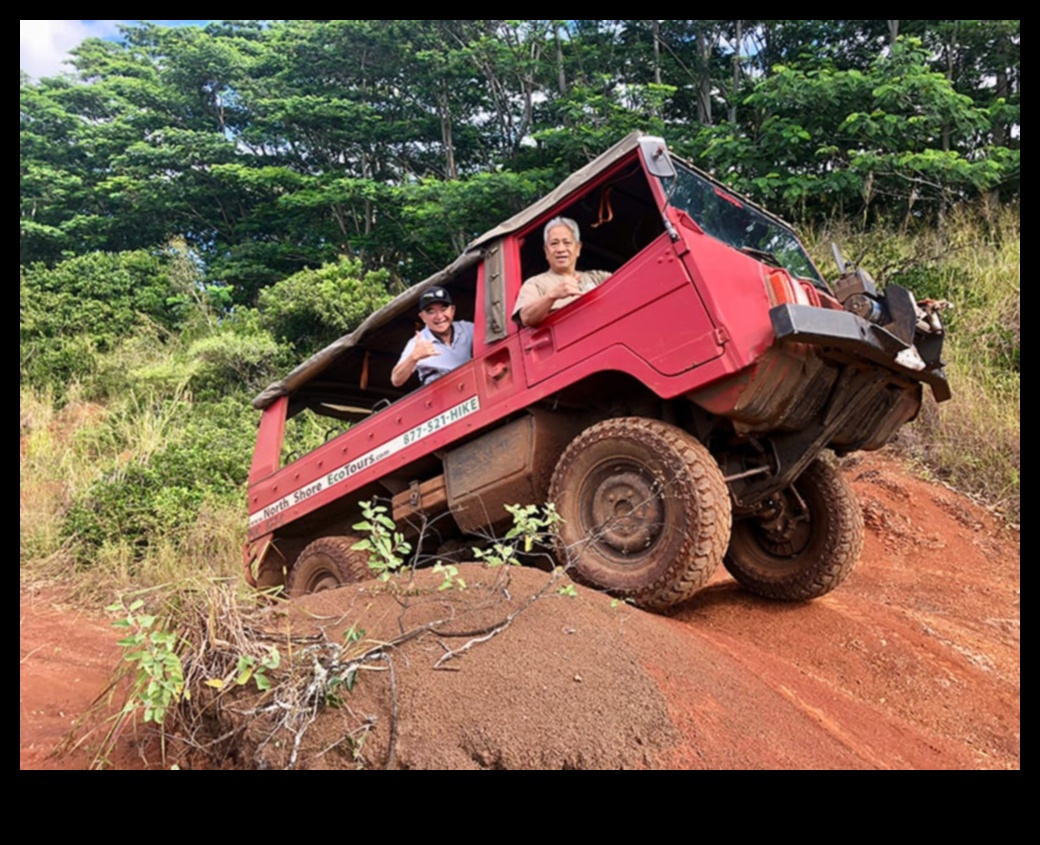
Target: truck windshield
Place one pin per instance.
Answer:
(738, 224)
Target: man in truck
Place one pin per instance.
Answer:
(542, 294)
(443, 343)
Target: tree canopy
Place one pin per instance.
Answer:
(270, 147)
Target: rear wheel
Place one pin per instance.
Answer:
(326, 563)
(803, 542)
(646, 511)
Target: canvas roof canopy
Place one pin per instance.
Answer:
(345, 360)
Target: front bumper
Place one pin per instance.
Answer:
(844, 336)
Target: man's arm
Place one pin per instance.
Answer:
(402, 372)
(414, 352)
(534, 305)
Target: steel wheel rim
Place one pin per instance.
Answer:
(622, 510)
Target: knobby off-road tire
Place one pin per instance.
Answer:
(326, 563)
(818, 554)
(646, 511)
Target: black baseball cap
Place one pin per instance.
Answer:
(433, 295)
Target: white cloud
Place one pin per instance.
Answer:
(44, 45)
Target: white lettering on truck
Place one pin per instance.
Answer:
(341, 474)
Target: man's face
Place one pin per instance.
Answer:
(437, 318)
(561, 250)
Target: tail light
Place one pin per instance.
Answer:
(781, 288)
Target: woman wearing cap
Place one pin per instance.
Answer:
(443, 343)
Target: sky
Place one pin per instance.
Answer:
(44, 45)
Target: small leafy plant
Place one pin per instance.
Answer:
(451, 581)
(159, 683)
(346, 680)
(386, 546)
(532, 525)
(249, 667)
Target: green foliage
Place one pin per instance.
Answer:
(159, 682)
(55, 364)
(267, 147)
(312, 308)
(441, 217)
(450, 572)
(533, 525)
(250, 668)
(593, 117)
(893, 135)
(87, 305)
(385, 545)
(100, 294)
(498, 555)
(229, 363)
(199, 304)
(202, 455)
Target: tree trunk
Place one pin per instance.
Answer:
(736, 74)
(1000, 133)
(949, 47)
(704, 84)
(450, 170)
(657, 51)
(561, 73)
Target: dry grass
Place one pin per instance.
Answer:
(63, 452)
(54, 465)
(973, 260)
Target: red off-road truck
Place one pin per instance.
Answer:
(676, 414)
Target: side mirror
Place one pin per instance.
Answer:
(655, 154)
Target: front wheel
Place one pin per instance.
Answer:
(803, 542)
(325, 564)
(646, 512)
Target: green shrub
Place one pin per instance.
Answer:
(101, 294)
(230, 363)
(206, 458)
(87, 305)
(312, 308)
(53, 364)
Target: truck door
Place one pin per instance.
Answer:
(647, 314)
